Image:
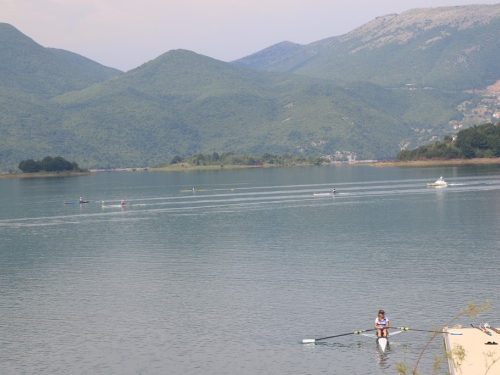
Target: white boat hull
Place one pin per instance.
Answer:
(382, 343)
(438, 183)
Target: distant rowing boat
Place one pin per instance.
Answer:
(322, 194)
(78, 202)
(120, 205)
(192, 190)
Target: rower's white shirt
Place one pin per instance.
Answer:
(381, 322)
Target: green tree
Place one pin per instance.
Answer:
(46, 163)
(30, 166)
(176, 159)
(60, 164)
(468, 151)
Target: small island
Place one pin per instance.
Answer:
(231, 160)
(47, 167)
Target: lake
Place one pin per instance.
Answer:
(231, 278)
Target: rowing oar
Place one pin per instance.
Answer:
(486, 325)
(307, 341)
(482, 329)
(415, 329)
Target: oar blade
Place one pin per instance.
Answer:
(307, 341)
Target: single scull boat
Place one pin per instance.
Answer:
(381, 341)
(121, 205)
(78, 202)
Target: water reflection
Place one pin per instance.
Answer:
(384, 358)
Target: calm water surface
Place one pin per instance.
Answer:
(230, 279)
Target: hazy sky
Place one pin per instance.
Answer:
(127, 33)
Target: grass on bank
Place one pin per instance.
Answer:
(194, 167)
(435, 162)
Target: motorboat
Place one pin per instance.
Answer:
(439, 183)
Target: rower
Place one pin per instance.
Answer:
(81, 200)
(334, 191)
(122, 203)
(381, 324)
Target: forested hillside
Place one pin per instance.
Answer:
(28, 68)
(182, 103)
(481, 141)
(365, 95)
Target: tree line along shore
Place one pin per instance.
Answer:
(231, 160)
(479, 144)
(476, 142)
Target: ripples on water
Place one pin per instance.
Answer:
(224, 282)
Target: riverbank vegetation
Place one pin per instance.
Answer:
(480, 141)
(234, 160)
(43, 174)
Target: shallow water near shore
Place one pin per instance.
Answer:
(231, 278)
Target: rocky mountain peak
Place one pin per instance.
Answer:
(401, 28)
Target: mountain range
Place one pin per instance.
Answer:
(454, 48)
(395, 82)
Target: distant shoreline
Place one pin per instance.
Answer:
(185, 167)
(44, 174)
(437, 163)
